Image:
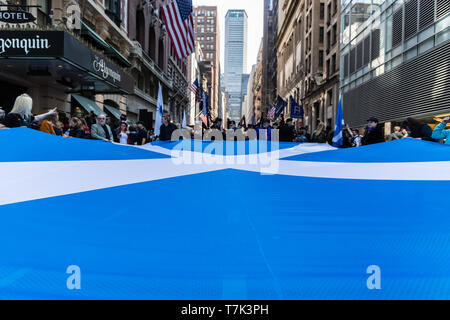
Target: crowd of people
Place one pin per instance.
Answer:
(90, 126)
(101, 127)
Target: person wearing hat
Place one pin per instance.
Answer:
(374, 133)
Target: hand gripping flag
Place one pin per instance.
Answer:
(177, 17)
(159, 111)
(338, 139)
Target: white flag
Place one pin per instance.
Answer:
(183, 125)
(159, 111)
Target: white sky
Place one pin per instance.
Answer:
(255, 12)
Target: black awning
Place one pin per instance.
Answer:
(96, 70)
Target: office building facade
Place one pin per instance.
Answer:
(235, 59)
(395, 60)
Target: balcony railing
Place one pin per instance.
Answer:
(150, 64)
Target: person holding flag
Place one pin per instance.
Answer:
(338, 139)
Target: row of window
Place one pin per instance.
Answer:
(203, 13)
(205, 30)
(363, 53)
(202, 21)
(202, 38)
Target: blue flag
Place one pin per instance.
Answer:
(204, 114)
(281, 104)
(159, 111)
(297, 111)
(337, 139)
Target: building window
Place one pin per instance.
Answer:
(334, 34)
(320, 58)
(43, 12)
(321, 30)
(322, 11)
(113, 11)
(334, 64)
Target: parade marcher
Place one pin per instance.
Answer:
(405, 133)
(87, 131)
(287, 131)
(374, 133)
(76, 129)
(439, 133)
(217, 124)
(123, 133)
(141, 135)
(302, 135)
(100, 130)
(419, 129)
(265, 126)
(166, 129)
(397, 134)
(319, 135)
(59, 128)
(48, 125)
(21, 116)
(356, 138)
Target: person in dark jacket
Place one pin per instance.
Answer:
(166, 130)
(419, 129)
(287, 131)
(76, 129)
(374, 133)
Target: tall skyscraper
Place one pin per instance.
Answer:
(235, 59)
(208, 36)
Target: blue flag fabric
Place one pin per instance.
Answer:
(110, 221)
(281, 104)
(340, 124)
(297, 111)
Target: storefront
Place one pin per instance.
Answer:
(55, 67)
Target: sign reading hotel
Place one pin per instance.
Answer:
(16, 16)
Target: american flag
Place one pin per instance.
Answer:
(272, 112)
(180, 26)
(194, 88)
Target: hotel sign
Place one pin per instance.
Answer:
(16, 16)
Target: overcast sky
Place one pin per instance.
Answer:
(255, 12)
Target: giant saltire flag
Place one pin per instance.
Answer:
(159, 111)
(177, 17)
(339, 126)
(129, 218)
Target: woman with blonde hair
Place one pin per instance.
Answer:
(21, 116)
